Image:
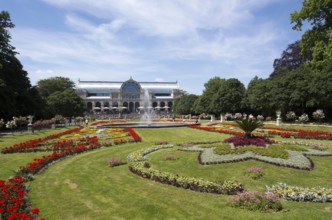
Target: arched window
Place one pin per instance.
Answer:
(130, 90)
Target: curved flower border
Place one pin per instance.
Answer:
(301, 194)
(144, 170)
(296, 160)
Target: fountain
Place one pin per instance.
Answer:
(149, 113)
(146, 119)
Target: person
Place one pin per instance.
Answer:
(86, 122)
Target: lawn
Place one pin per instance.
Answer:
(85, 187)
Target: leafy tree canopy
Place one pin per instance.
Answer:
(184, 104)
(290, 59)
(316, 43)
(16, 94)
(47, 87)
(66, 103)
(203, 104)
(228, 97)
(6, 49)
(258, 98)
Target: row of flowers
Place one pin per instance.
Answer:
(48, 144)
(303, 134)
(38, 164)
(295, 158)
(265, 131)
(225, 131)
(34, 143)
(14, 200)
(301, 194)
(14, 203)
(144, 170)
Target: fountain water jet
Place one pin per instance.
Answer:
(149, 113)
(146, 120)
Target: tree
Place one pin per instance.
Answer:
(66, 103)
(54, 84)
(60, 97)
(316, 43)
(204, 103)
(6, 49)
(258, 97)
(184, 104)
(291, 90)
(15, 87)
(229, 97)
(290, 59)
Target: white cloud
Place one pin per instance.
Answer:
(169, 18)
(165, 40)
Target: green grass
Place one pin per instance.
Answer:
(17, 137)
(85, 187)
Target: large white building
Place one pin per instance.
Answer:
(130, 96)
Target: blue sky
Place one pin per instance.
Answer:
(189, 41)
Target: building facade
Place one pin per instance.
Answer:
(129, 96)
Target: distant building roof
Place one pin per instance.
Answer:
(117, 85)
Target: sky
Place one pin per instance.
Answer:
(189, 41)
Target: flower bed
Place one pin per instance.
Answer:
(34, 143)
(265, 131)
(195, 184)
(296, 159)
(14, 202)
(256, 201)
(301, 194)
(225, 131)
(242, 141)
(73, 137)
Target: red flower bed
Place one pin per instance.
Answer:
(285, 134)
(135, 136)
(243, 141)
(13, 200)
(30, 145)
(308, 134)
(39, 163)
